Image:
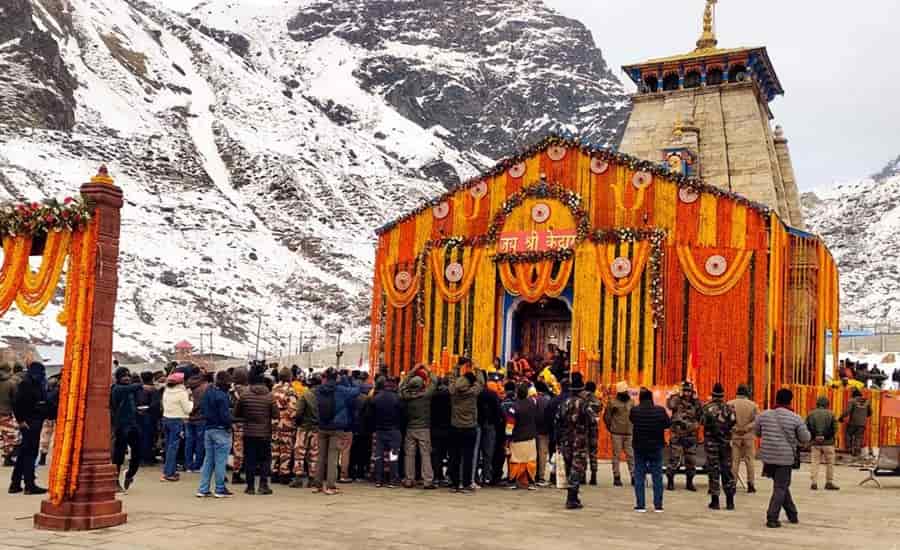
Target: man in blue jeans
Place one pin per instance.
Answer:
(650, 423)
(217, 436)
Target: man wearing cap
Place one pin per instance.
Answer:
(574, 420)
(858, 414)
(742, 438)
(718, 421)
(283, 435)
(686, 413)
(416, 391)
(123, 405)
(617, 418)
(822, 428)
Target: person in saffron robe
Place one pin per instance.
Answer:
(521, 433)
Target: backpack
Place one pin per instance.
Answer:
(327, 405)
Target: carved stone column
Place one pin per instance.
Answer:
(94, 504)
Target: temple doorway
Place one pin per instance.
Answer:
(535, 326)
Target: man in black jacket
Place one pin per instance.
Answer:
(388, 413)
(649, 423)
(30, 410)
(123, 406)
(440, 430)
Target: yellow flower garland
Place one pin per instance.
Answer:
(397, 298)
(470, 268)
(625, 285)
(713, 286)
(15, 263)
(37, 289)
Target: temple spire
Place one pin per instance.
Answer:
(708, 40)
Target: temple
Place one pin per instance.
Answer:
(706, 113)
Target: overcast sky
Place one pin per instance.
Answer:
(838, 63)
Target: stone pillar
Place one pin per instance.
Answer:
(94, 504)
(791, 190)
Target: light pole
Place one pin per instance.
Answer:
(339, 352)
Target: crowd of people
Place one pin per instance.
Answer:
(530, 425)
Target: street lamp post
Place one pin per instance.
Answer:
(339, 352)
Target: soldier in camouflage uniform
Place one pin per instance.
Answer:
(283, 428)
(686, 414)
(306, 444)
(238, 387)
(719, 420)
(574, 421)
(9, 428)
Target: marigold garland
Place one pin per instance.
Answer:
(534, 281)
(37, 289)
(470, 268)
(625, 285)
(397, 298)
(15, 263)
(713, 286)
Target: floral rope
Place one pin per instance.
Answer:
(625, 285)
(713, 286)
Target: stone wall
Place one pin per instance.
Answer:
(729, 125)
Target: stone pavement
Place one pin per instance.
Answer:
(164, 516)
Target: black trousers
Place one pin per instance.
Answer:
(462, 453)
(360, 454)
(499, 455)
(257, 455)
(781, 494)
(440, 447)
(131, 439)
(28, 452)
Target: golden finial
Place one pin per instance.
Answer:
(678, 127)
(102, 176)
(708, 38)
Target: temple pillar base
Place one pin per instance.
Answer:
(94, 505)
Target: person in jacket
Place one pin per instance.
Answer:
(239, 386)
(743, 441)
(507, 402)
(649, 424)
(858, 414)
(198, 383)
(464, 392)
(29, 410)
(9, 430)
(306, 444)
(782, 432)
(334, 400)
(492, 424)
(285, 431)
(217, 412)
(822, 426)
(542, 402)
(388, 415)
(521, 437)
(177, 407)
(149, 408)
(441, 413)
(686, 411)
(127, 433)
(574, 423)
(416, 392)
(49, 426)
(593, 438)
(617, 418)
(257, 410)
(718, 421)
(363, 431)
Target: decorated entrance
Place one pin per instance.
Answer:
(532, 327)
(81, 238)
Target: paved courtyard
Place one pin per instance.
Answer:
(163, 516)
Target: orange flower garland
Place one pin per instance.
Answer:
(470, 268)
(714, 286)
(69, 435)
(626, 285)
(534, 281)
(37, 289)
(397, 298)
(15, 263)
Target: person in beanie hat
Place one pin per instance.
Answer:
(718, 422)
(743, 442)
(574, 420)
(782, 432)
(617, 418)
(30, 410)
(177, 407)
(649, 422)
(123, 407)
(686, 414)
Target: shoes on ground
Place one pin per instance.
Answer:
(35, 490)
(223, 494)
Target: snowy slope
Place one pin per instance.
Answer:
(255, 159)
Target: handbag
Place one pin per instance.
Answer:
(796, 464)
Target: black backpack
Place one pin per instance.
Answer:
(327, 406)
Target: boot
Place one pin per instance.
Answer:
(572, 502)
(729, 501)
(43, 460)
(593, 478)
(298, 483)
(237, 478)
(671, 483)
(750, 488)
(714, 502)
(617, 481)
(35, 490)
(829, 486)
(690, 484)
(264, 487)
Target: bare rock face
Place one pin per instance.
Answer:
(258, 149)
(36, 87)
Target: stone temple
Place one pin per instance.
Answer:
(706, 113)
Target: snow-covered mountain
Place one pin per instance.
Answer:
(860, 222)
(259, 142)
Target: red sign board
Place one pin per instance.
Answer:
(535, 241)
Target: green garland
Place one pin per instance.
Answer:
(559, 255)
(656, 237)
(594, 151)
(40, 218)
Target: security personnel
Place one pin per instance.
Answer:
(719, 419)
(686, 414)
